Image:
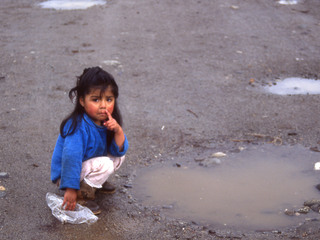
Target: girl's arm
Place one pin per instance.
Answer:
(113, 125)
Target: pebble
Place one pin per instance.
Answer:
(123, 190)
(210, 162)
(312, 219)
(218, 154)
(289, 212)
(2, 194)
(4, 175)
(311, 202)
(304, 210)
(317, 166)
(167, 206)
(199, 159)
(315, 207)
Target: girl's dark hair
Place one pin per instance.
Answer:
(91, 78)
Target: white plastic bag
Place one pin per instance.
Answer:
(79, 215)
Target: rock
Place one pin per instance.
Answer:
(218, 154)
(4, 175)
(315, 207)
(123, 190)
(210, 162)
(317, 166)
(167, 206)
(311, 202)
(2, 194)
(304, 210)
(289, 212)
(315, 149)
(199, 159)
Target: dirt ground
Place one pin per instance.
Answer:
(190, 76)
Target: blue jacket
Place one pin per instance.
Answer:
(88, 140)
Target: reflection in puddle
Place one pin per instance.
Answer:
(295, 86)
(250, 189)
(70, 4)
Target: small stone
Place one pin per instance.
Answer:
(2, 188)
(210, 162)
(167, 206)
(123, 190)
(315, 149)
(289, 212)
(218, 154)
(127, 185)
(315, 207)
(4, 175)
(178, 164)
(2, 194)
(312, 220)
(199, 159)
(311, 202)
(304, 210)
(317, 166)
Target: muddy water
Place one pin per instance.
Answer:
(250, 189)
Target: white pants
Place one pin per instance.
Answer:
(96, 171)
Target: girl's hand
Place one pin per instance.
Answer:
(112, 124)
(70, 199)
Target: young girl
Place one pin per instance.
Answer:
(91, 144)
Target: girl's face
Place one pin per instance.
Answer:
(96, 104)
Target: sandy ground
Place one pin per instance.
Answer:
(184, 69)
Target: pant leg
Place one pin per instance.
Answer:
(96, 171)
(117, 161)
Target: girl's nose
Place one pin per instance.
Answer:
(103, 104)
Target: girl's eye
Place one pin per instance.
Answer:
(109, 99)
(95, 99)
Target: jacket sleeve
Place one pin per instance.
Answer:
(71, 160)
(114, 149)
(56, 160)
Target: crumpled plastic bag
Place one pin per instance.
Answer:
(80, 215)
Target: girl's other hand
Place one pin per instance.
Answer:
(111, 124)
(70, 199)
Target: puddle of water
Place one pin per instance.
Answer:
(290, 86)
(288, 2)
(248, 190)
(70, 4)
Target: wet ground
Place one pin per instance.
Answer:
(190, 76)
